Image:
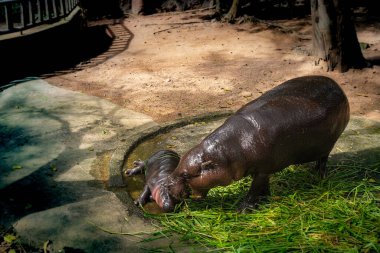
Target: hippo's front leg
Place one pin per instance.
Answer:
(144, 196)
(320, 166)
(259, 191)
(138, 169)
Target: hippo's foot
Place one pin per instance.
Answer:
(250, 204)
(140, 202)
(257, 193)
(246, 207)
(320, 166)
(138, 169)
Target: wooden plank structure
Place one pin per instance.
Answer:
(19, 15)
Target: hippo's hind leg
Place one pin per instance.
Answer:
(144, 196)
(138, 169)
(320, 166)
(259, 191)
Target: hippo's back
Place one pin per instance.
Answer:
(321, 90)
(299, 120)
(160, 165)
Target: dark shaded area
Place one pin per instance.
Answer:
(15, 245)
(374, 60)
(275, 9)
(56, 49)
(368, 9)
(287, 9)
(146, 7)
(265, 9)
(40, 191)
(98, 9)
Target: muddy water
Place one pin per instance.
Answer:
(179, 139)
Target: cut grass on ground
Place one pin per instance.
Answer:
(305, 214)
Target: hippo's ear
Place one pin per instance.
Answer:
(207, 165)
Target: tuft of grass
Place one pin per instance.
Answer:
(304, 214)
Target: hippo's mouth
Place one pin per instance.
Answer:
(156, 195)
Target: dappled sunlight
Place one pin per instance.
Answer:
(78, 172)
(212, 65)
(50, 139)
(82, 220)
(34, 137)
(18, 162)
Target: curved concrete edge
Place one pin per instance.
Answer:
(119, 156)
(117, 160)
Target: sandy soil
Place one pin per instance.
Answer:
(178, 64)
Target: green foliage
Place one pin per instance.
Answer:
(305, 214)
(9, 238)
(8, 242)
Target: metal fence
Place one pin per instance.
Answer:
(18, 15)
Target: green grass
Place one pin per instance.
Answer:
(305, 214)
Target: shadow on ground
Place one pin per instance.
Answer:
(49, 141)
(62, 50)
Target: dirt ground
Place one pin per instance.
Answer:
(178, 64)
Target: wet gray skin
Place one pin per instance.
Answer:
(157, 168)
(298, 121)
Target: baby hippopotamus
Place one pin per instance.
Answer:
(157, 168)
(296, 122)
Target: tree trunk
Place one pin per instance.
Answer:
(218, 7)
(231, 15)
(137, 7)
(334, 35)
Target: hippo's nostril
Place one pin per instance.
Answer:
(167, 207)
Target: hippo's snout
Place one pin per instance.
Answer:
(168, 207)
(168, 203)
(163, 199)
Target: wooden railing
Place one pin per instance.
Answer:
(18, 15)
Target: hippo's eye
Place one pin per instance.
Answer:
(185, 175)
(207, 165)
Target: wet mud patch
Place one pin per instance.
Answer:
(99, 168)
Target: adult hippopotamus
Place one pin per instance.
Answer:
(157, 168)
(296, 122)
